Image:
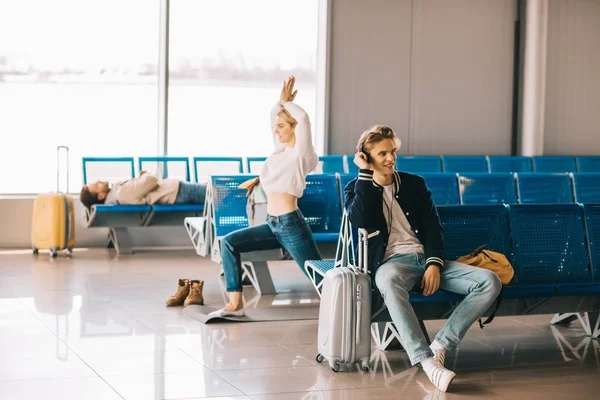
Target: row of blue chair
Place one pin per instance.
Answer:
(460, 164)
(464, 164)
(546, 243)
(320, 205)
(179, 167)
(508, 188)
(554, 249)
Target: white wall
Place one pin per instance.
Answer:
(439, 72)
(572, 114)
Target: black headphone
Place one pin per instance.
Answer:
(362, 150)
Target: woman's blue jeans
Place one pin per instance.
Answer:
(289, 231)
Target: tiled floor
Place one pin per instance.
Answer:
(95, 327)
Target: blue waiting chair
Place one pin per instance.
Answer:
(464, 164)
(110, 169)
(332, 164)
(510, 164)
(419, 164)
(588, 163)
(443, 187)
(166, 167)
(549, 243)
(320, 205)
(554, 164)
(206, 166)
(254, 164)
(592, 226)
(482, 188)
(469, 227)
(539, 188)
(587, 187)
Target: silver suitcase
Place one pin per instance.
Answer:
(345, 314)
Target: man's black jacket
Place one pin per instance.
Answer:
(364, 205)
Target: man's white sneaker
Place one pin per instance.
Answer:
(437, 374)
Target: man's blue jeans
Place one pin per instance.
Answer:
(401, 273)
(191, 193)
(289, 231)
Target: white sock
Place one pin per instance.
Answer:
(437, 346)
(437, 374)
(439, 352)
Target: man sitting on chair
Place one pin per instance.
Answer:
(408, 252)
(144, 189)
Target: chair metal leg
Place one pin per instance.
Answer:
(121, 239)
(563, 319)
(259, 275)
(385, 335)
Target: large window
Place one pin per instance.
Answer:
(227, 61)
(76, 73)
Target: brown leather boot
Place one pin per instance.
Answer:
(195, 296)
(183, 290)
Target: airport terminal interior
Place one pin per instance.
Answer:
(140, 258)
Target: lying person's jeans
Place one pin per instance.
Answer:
(289, 231)
(191, 193)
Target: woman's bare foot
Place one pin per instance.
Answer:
(236, 302)
(233, 307)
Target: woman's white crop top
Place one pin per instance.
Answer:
(286, 168)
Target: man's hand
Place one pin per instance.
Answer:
(431, 280)
(360, 159)
(287, 91)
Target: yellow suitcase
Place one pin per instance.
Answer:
(53, 222)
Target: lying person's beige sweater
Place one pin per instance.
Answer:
(145, 189)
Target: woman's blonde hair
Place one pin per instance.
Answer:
(285, 114)
(375, 135)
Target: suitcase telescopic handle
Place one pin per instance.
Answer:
(58, 168)
(363, 248)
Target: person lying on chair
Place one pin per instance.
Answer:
(409, 252)
(144, 189)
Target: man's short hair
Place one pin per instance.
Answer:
(88, 199)
(375, 135)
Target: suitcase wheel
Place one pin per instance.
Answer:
(69, 252)
(319, 358)
(365, 367)
(336, 367)
(53, 252)
(35, 250)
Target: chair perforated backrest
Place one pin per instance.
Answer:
(443, 187)
(592, 226)
(229, 203)
(554, 164)
(463, 164)
(469, 227)
(491, 188)
(320, 203)
(110, 169)
(510, 164)
(588, 163)
(166, 167)
(206, 166)
(587, 187)
(549, 243)
(419, 164)
(540, 188)
(254, 164)
(331, 165)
